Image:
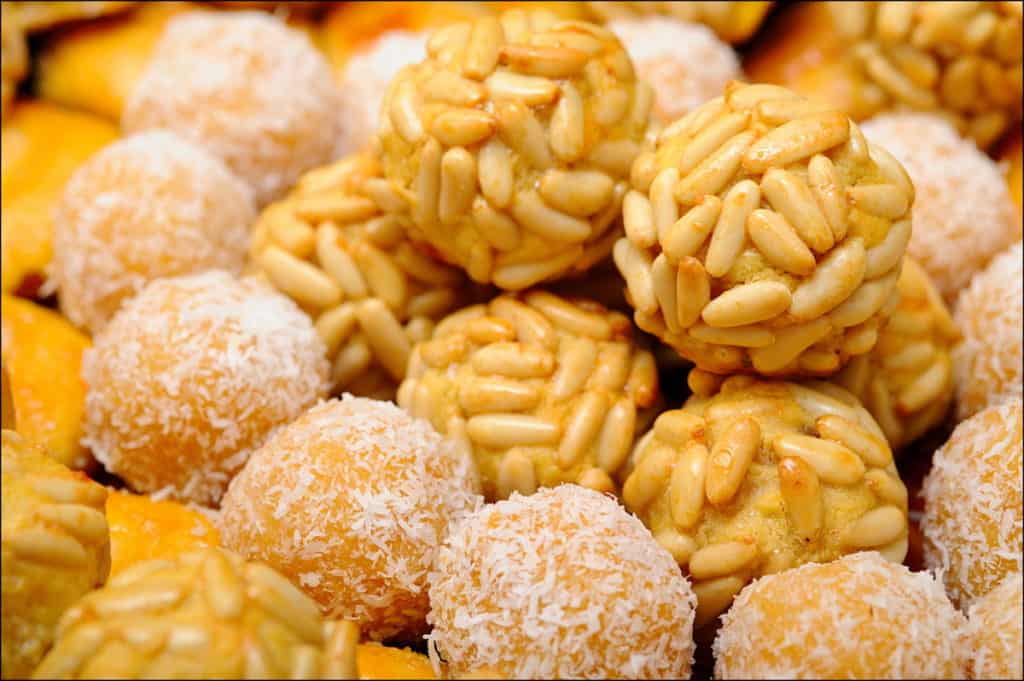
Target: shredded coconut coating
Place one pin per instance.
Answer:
(191, 376)
(560, 584)
(963, 214)
(251, 90)
(148, 206)
(972, 522)
(365, 82)
(860, 617)
(686, 63)
(990, 315)
(995, 632)
(351, 502)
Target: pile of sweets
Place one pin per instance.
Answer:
(351, 340)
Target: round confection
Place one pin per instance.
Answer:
(542, 390)
(995, 632)
(973, 505)
(351, 502)
(147, 206)
(206, 614)
(734, 22)
(906, 381)
(56, 548)
(249, 89)
(753, 477)
(990, 314)
(960, 60)
(560, 584)
(364, 82)
(763, 234)
(685, 63)
(859, 617)
(191, 376)
(513, 140)
(963, 213)
(337, 246)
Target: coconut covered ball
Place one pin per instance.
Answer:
(764, 235)
(191, 376)
(685, 63)
(906, 381)
(365, 79)
(513, 140)
(995, 635)
(204, 614)
(248, 88)
(56, 548)
(973, 506)
(963, 212)
(990, 314)
(147, 206)
(753, 477)
(560, 584)
(859, 617)
(350, 502)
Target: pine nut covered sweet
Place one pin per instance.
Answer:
(906, 381)
(190, 377)
(859, 617)
(963, 212)
(513, 140)
(989, 363)
(147, 206)
(751, 477)
(541, 389)
(995, 632)
(756, 227)
(337, 246)
(559, 584)
(205, 614)
(973, 512)
(251, 90)
(56, 548)
(962, 60)
(351, 502)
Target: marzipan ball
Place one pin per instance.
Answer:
(859, 617)
(56, 548)
(514, 139)
(560, 584)
(764, 235)
(191, 376)
(973, 505)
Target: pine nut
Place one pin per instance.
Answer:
(834, 463)
(663, 277)
(679, 545)
(743, 336)
(886, 487)
(802, 497)
(578, 193)
(581, 428)
(635, 267)
(513, 360)
(665, 212)
(797, 140)
(827, 187)
(833, 281)
(531, 90)
(638, 219)
(792, 199)
(521, 131)
(729, 233)
(531, 211)
(881, 258)
(710, 139)
(686, 486)
(616, 436)
(693, 290)
(485, 395)
(712, 174)
(299, 279)
(516, 474)
(719, 560)
(570, 318)
(511, 430)
(731, 456)
(648, 478)
(714, 597)
(877, 527)
(747, 304)
(567, 125)
(779, 243)
(385, 335)
(872, 449)
(550, 62)
(688, 234)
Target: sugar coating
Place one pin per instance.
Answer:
(972, 522)
(860, 617)
(686, 63)
(351, 502)
(191, 376)
(990, 315)
(962, 214)
(365, 82)
(247, 87)
(563, 583)
(995, 632)
(147, 206)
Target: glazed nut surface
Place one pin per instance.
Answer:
(764, 234)
(513, 141)
(56, 548)
(337, 246)
(961, 59)
(752, 477)
(906, 381)
(542, 390)
(206, 614)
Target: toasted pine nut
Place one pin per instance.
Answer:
(617, 435)
(834, 463)
(731, 456)
(485, 41)
(688, 234)
(511, 430)
(581, 428)
(833, 281)
(551, 62)
(693, 290)
(779, 243)
(638, 219)
(515, 474)
(877, 527)
(725, 558)
(490, 394)
(791, 197)
(712, 174)
(458, 185)
(513, 360)
(677, 427)
(747, 304)
(686, 488)
(797, 140)
(873, 449)
(730, 232)
(531, 90)
(578, 192)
